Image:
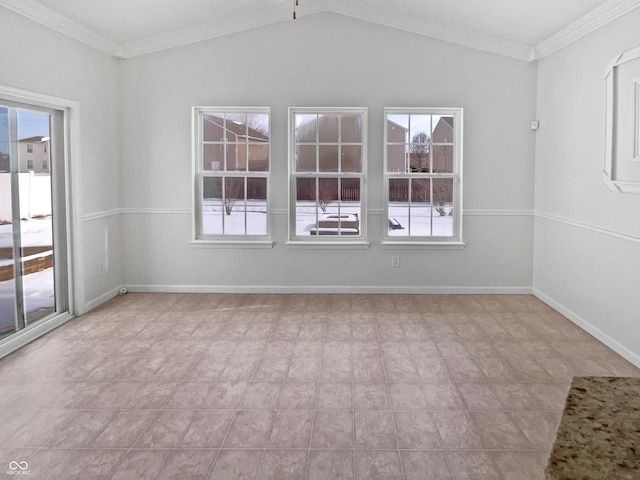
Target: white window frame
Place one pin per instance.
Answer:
(225, 240)
(454, 241)
(330, 241)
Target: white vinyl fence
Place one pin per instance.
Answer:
(35, 195)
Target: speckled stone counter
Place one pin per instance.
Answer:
(599, 435)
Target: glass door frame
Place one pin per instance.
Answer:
(65, 206)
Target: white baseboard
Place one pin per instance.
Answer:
(96, 302)
(29, 334)
(613, 344)
(262, 289)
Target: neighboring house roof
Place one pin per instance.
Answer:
(33, 139)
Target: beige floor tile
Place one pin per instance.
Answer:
(328, 387)
(141, 464)
(498, 430)
(331, 465)
(188, 465)
(472, 465)
(298, 396)
(416, 430)
(457, 430)
(374, 430)
(304, 370)
(418, 465)
(378, 465)
(333, 430)
(250, 429)
(283, 465)
(370, 396)
(406, 395)
(442, 396)
(236, 465)
(519, 465)
(478, 396)
(208, 429)
(291, 429)
(261, 395)
(334, 396)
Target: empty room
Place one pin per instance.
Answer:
(319, 239)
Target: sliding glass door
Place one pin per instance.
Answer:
(32, 216)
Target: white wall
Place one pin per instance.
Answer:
(326, 60)
(39, 60)
(587, 238)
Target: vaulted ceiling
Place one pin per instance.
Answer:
(522, 29)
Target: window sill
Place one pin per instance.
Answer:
(231, 243)
(329, 245)
(417, 245)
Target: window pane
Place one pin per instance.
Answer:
(236, 157)
(419, 157)
(306, 206)
(396, 158)
(442, 129)
(339, 207)
(398, 206)
(443, 196)
(399, 190)
(212, 189)
(420, 222)
(305, 128)
(327, 192)
(212, 206)
(212, 130)
(420, 191)
(443, 158)
(399, 123)
(350, 190)
(237, 124)
(257, 190)
(328, 128)
(351, 128)
(259, 158)
(420, 124)
(234, 208)
(256, 206)
(328, 158)
(234, 220)
(352, 158)
(258, 127)
(213, 156)
(305, 158)
(442, 226)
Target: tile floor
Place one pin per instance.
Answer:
(308, 387)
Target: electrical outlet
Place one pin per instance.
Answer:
(395, 261)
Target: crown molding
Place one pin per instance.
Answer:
(592, 21)
(61, 24)
(434, 30)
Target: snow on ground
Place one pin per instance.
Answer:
(39, 298)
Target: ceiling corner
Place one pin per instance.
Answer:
(61, 24)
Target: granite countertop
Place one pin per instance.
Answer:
(599, 435)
